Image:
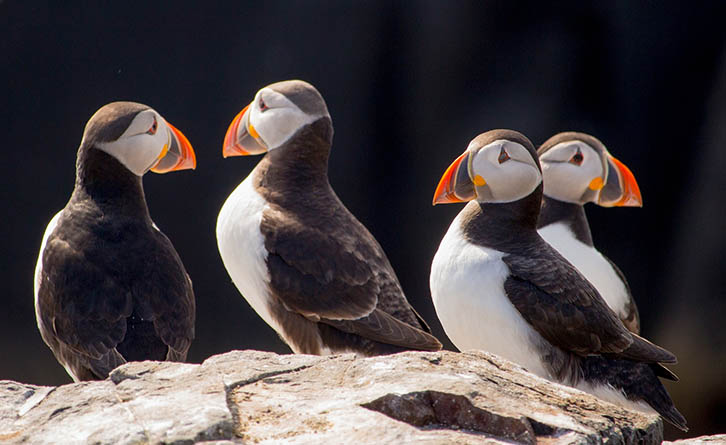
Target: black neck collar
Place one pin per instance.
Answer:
(299, 165)
(103, 179)
(573, 215)
(507, 227)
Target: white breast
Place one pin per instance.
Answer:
(39, 264)
(242, 247)
(590, 263)
(467, 287)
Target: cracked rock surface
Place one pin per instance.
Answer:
(259, 397)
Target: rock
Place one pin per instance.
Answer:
(705, 440)
(439, 410)
(258, 397)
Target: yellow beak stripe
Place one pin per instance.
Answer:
(596, 184)
(253, 132)
(479, 181)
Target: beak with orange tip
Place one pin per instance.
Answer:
(621, 189)
(178, 153)
(241, 138)
(456, 184)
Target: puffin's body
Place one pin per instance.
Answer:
(304, 263)
(577, 168)
(109, 286)
(498, 286)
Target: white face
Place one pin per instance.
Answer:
(142, 144)
(275, 118)
(570, 169)
(507, 168)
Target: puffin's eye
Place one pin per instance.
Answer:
(503, 155)
(576, 158)
(263, 106)
(154, 126)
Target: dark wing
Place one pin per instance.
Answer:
(338, 274)
(81, 307)
(632, 318)
(425, 326)
(165, 296)
(89, 291)
(384, 328)
(567, 310)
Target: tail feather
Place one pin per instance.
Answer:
(675, 418)
(639, 382)
(662, 371)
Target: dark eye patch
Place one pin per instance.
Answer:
(577, 158)
(154, 127)
(503, 155)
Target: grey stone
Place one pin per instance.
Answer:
(258, 397)
(706, 440)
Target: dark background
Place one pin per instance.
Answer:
(408, 85)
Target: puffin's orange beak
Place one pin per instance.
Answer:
(455, 185)
(178, 153)
(621, 188)
(241, 138)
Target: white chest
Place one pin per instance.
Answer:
(39, 264)
(467, 287)
(242, 247)
(590, 263)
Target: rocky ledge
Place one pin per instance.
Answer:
(246, 397)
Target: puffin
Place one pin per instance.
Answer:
(303, 262)
(577, 169)
(109, 286)
(498, 286)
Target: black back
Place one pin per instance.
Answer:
(580, 338)
(329, 276)
(112, 286)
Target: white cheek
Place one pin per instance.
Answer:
(514, 181)
(276, 125)
(137, 153)
(564, 181)
(592, 166)
(568, 182)
(508, 181)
